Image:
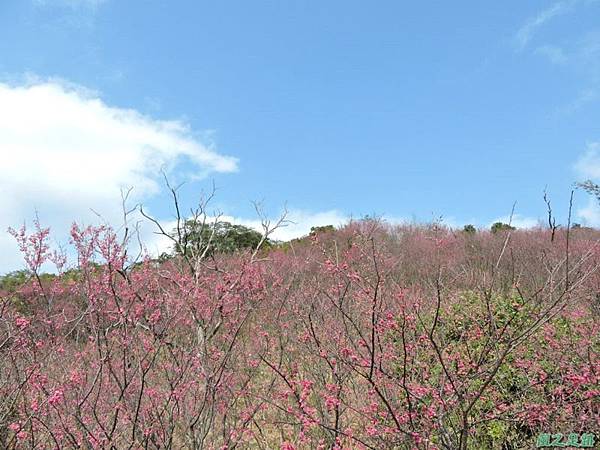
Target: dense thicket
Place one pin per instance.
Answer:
(371, 336)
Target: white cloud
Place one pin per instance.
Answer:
(526, 32)
(64, 151)
(587, 167)
(590, 214)
(517, 221)
(588, 164)
(300, 222)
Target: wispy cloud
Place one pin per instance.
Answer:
(71, 3)
(71, 14)
(586, 96)
(590, 214)
(587, 51)
(527, 31)
(577, 51)
(517, 221)
(585, 62)
(555, 55)
(587, 167)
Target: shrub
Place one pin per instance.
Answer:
(377, 337)
(499, 226)
(469, 229)
(219, 237)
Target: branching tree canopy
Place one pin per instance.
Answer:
(218, 237)
(470, 229)
(591, 188)
(500, 226)
(13, 280)
(322, 229)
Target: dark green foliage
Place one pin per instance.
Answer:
(469, 229)
(500, 226)
(221, 237)
(321, 229)
(13, 280)
(163, 257)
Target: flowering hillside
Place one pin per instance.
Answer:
(367, 337)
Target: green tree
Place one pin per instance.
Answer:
(500, 226)
(220, 237)
(321, 229)
(469, 229)
(14, 280)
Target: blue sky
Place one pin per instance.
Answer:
(337, 108)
